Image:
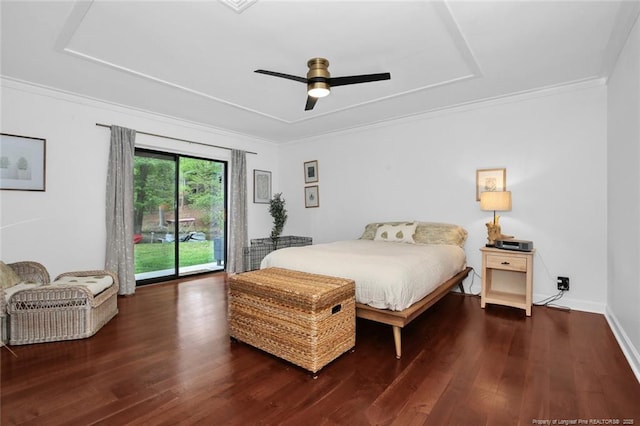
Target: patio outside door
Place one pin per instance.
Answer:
(179, 221)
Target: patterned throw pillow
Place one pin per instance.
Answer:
(402, 233)
(8, 277)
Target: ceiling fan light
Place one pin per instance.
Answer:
(318, 89)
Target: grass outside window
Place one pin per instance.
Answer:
(161, 256)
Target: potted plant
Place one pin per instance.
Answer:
(4, 166)
(23, 168)
(279, 215)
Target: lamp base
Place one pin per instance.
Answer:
(494, 232)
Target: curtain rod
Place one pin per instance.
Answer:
(178, 139)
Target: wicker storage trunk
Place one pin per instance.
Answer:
(306, 319)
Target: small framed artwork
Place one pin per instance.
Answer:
(261, 186)
(311, 171)
(311, 196)
(22, 163)
(490, 180)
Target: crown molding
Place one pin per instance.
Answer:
(88, 101)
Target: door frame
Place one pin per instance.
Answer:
(225, 175)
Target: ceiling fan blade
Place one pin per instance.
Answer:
(355, 79)
(311, 102)
(279, 74)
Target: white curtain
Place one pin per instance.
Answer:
(238, 234)
(119, 256)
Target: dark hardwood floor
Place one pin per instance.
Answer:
(167, 359)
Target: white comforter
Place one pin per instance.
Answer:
(387, 275)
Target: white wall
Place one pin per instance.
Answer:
(623, 249)
(64, 227)
(553, 145)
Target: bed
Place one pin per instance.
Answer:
(400, 268)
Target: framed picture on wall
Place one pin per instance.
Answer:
(311, 171)
(490, 180)
(22, 162)
(311, 196)
(261, 186)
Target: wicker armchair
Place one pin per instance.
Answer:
(60, 312)
(32, 272)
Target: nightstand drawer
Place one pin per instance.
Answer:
(507, 263)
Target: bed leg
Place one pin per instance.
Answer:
(397, 340)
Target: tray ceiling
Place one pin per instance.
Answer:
(195, 60)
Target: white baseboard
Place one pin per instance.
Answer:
(628, 349)
(574, 304)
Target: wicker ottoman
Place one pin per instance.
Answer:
(52, 313)
(306, 319)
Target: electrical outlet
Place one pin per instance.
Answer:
(563, 283)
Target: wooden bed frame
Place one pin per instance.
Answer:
(398, 319)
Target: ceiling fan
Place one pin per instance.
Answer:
(319, 81)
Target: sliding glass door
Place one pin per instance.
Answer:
(179, 220)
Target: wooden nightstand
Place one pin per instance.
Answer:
(507, 278)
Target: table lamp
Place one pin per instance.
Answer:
(497, 201)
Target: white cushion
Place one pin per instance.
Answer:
(402, 233)
(95, 284)
(8, 292)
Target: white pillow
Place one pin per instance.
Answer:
(8, 277)
(402, 233)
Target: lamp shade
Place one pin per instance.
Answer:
(495, 200)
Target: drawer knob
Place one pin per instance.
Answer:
(505, 263)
